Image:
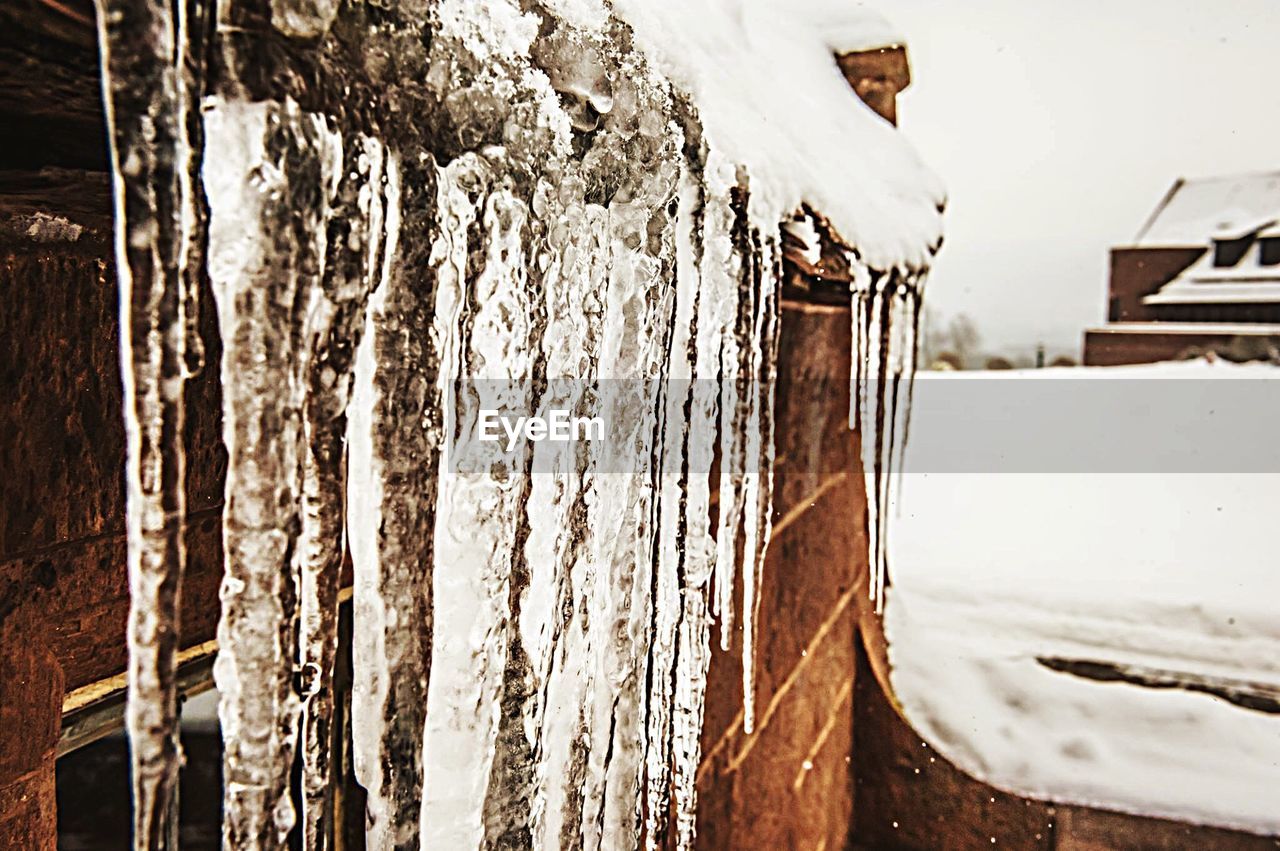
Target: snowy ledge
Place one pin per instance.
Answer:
(1105, 639)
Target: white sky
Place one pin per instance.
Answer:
(1058, 125)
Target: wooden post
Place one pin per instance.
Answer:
(31, 687)
(877, 76)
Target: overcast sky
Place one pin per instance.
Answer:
(1058, 125)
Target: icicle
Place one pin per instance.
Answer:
(521, 782)
(640, 298)
(758, 497)
(544, 495)
(719, 271)
(859, 294)
(539, 225)
(147, 87)
(670, 566)
(746, 414)
(485, 324)
(567, 586)
(716, 289)
(735, 372)
(913, 310)
(886, 320)
(395, 436)
(358, 256)
(263, 162)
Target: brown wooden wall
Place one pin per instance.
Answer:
(63, 578)
(62, 536)
(789, 784)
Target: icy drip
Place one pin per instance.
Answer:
(556, 612)
(501, 553)
(148, 95)
(886, 320)
(670, 555)
(716, 290)
(362, 233)
(725, 325)
(759, 455)
(885, 332)
(263, 163)
(640, 302)
(564, 242)
(734, 406)
(489, 335)
(541, 709)
(394, 438)
(588, 750)
(718, 359)
(746, 439)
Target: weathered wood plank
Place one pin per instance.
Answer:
(50, 99)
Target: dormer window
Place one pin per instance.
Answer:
(1229, 252)
(1269, 251)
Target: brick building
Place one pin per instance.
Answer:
(1203, 273)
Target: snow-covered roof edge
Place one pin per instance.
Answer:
(771, 98)
(1194, 210)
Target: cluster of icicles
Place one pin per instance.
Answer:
(530, 650)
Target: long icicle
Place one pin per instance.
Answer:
(569, 616)
(734, 407)
(394, 439)
(886, 319)
(263, 162)
(758, 465)
(147, 90)
(672, 522)
(362, 239)
(478, 534)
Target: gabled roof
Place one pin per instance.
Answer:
(1196, 211)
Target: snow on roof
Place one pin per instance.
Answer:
(765, 82)
(848, 27)
(1219, 289)
(1166, 572)
(1193, 212)
(1198, 212)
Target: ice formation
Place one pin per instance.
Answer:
(886, 317)
(419, 212)
(149, 95)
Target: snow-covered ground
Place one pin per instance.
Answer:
(1173, 578)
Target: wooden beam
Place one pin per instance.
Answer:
(50, 93)
(877, 76)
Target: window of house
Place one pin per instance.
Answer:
(1269, 251)
(1229, 252)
